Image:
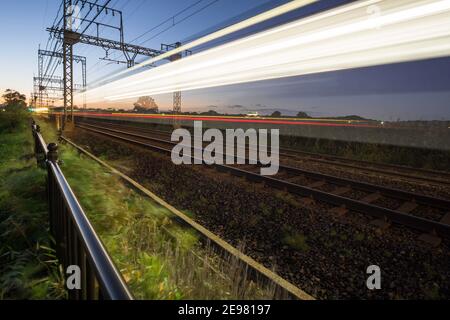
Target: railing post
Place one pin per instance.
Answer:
(52, 154)
(36, 150)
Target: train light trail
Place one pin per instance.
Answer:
(343, 38)
(39, 110)
(278, 11)
(226, 119)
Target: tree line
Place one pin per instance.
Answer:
(14, 101)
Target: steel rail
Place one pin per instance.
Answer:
(414, 222)
(330, 159)
(363, 186)
(339, 162)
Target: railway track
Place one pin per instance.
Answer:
(410, 173)
(282, 289)
(386, 205)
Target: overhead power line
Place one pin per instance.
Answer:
(182, 20)
(171, 18)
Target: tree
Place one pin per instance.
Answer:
(210, 113)
(146, 105)
(276, 114)
(14, 101)
(302, 114)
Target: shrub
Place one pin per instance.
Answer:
(13, 121)
(296, 241)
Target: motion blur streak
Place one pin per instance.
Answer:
(225, 119)
(343, 38)
(293, 5)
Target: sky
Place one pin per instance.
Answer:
(409, 91)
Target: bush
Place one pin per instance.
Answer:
(28, 266)
(13, 121)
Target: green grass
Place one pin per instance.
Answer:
(28, 269)
(158, 258)
(13, 122)
(296, 241)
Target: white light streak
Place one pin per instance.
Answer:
(342, 38)
(283, 9)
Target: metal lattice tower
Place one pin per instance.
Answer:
(40, 75)
(177, 98)
(177, 94)
(67, 61)
(70, 37)
(55, 54)
(52, 90)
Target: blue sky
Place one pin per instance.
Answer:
(419, 90)
(23, 23)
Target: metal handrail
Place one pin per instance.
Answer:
(77, 243)
(40, 148)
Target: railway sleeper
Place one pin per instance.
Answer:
(431, 239)
(283, 174)
(341, 191)
(339, 211)
(408, 207)
(381, 224)
(317, 184)
(308, 201)
(294, 178)
(371, 197)
(446, 219)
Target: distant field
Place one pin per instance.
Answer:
(28, 269)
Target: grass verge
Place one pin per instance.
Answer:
(158, 258)
(28, 267)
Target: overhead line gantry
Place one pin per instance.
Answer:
(69, 36)
(45, 79)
